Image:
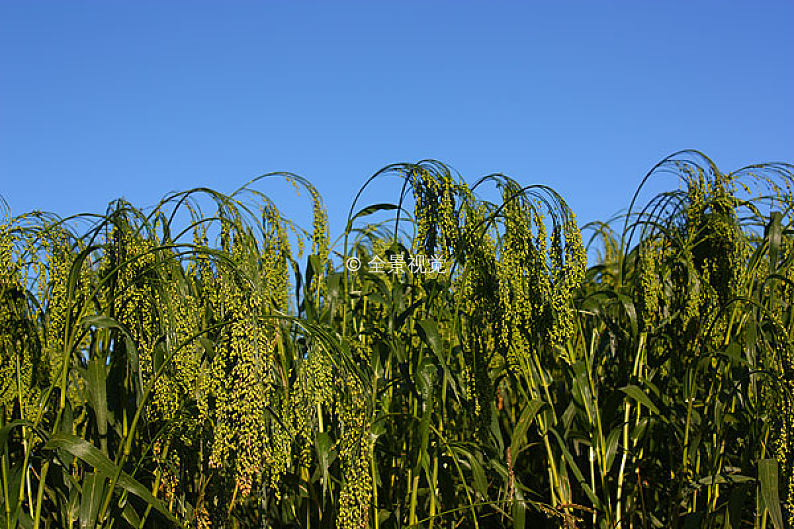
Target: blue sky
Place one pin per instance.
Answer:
(106, 99)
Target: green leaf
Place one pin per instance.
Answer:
(101, 322)
(97, 392)
(71, 508)
(323, 446)
(6, 430)
(640, 396)
(159, 355)
(74, 271)
(611, 447)
(774, 236)
(369, 210)
(480, 483)
(106, 322)
(208, 346)
(13, 478)
(88, 453)
(93, 490)
(768, 476)
(425, 380)
(522, 426)
(429, 332)
(575, 468)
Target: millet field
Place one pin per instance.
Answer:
(448, 362)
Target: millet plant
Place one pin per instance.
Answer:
(209, 363)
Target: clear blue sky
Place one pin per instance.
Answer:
(135, 99)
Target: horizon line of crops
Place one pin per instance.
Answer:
(185, 366)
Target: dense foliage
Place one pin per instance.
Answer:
(173, 367)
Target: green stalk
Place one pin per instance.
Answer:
(690, 405)
(413, 480)
(412, 511)
(434, 480)
(26, 481)
(557, 496)
(591, 457)
(40, 493)
(461, 476)
(4, 469)
(56, 425)
(433, 483)
(131, 434)
(372, 456)
(600, 454)
(626, 447)
(158, 474)
(66, 355)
